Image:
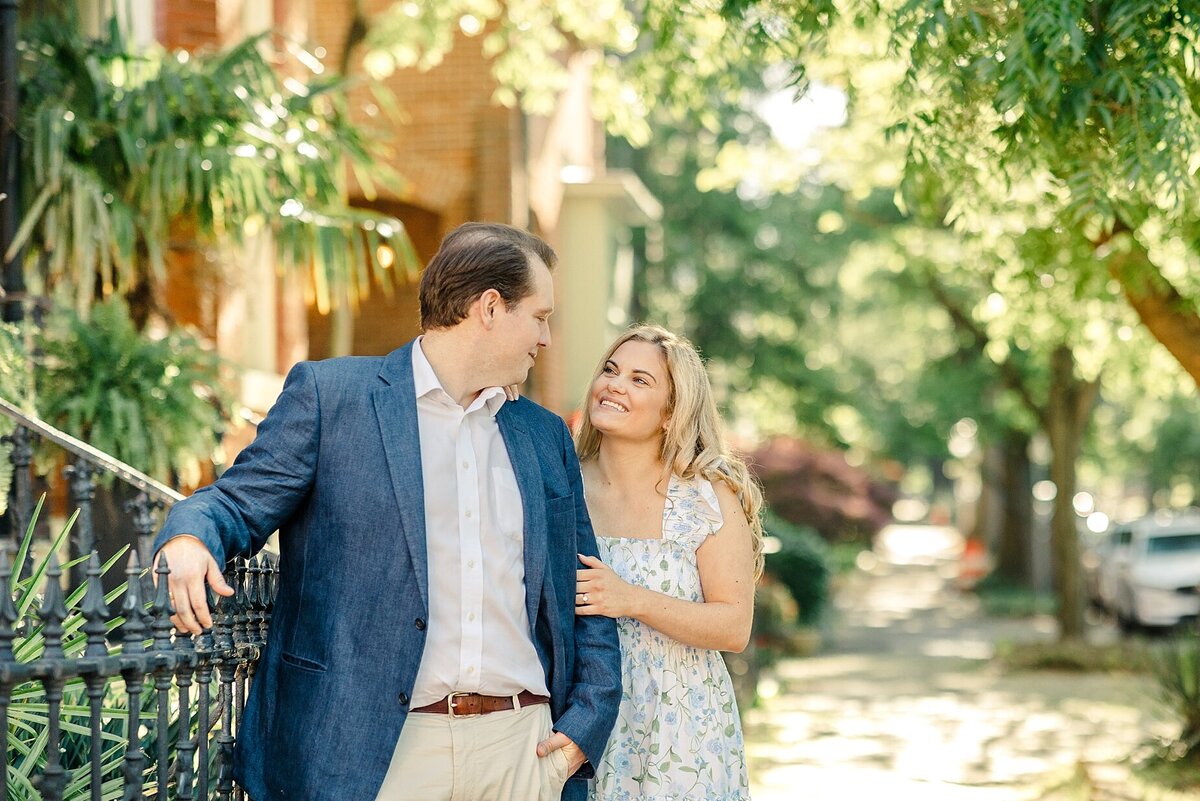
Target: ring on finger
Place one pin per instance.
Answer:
(585, 597)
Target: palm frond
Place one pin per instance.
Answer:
(124, 144)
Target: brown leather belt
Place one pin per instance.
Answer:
(460, 705)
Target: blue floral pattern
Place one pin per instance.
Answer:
(678, 736)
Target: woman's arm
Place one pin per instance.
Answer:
(720, 622)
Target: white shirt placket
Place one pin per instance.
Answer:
(470, 506)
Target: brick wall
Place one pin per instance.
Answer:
(193, 289)
(186, 24)
(198, 292)
(454, 148)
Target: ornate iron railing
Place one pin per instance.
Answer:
(174, 744)
(184, 750)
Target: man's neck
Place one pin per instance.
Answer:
(452, 361)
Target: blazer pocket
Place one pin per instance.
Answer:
(564, 506)
(300, 663)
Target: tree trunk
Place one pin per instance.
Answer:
(991, 498)
(1013, 556)
(1173, 322)
(1067, 415)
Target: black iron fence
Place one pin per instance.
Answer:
(107, 705)
(176, 744)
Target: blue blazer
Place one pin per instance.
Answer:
(336, 467)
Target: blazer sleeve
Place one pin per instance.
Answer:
(595, 695)
(266, 483)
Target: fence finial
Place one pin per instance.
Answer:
(95, 610)
(162, 608)
(53, 610)
(134, 627)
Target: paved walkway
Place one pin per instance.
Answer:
(903, 703)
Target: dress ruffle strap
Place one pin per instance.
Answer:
(693, 512)
(710, 510)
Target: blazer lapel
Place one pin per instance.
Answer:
(396, 408)
(533, 500)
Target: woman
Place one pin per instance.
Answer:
(677, 521)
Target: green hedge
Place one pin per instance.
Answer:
(801, 564)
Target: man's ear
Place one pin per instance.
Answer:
(489, 306)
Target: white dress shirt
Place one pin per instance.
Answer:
(478, 638)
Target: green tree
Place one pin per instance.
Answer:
(1093, 105)
(1023, 296)
(1147, 441)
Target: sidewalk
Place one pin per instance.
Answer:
(903, 703)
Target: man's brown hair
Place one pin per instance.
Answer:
(472, 259)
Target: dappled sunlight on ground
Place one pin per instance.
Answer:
(906, 704)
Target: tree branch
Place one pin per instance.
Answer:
(1009, 374)
(1169, 316)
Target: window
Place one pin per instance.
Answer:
(1177, 543)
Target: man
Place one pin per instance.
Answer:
(424, 634)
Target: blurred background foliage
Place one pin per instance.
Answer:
(951, 246)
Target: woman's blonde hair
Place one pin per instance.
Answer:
(693, 441)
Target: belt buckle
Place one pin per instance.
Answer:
(453, 714)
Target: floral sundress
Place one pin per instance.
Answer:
(678, 736)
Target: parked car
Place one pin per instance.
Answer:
(1149, 571)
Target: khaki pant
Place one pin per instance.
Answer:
(491, 757)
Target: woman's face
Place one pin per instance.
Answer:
(629, 398)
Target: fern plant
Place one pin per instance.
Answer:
(129, 395)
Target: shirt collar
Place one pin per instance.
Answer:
(425, 382)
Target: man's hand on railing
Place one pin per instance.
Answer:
(191, 566)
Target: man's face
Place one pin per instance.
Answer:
(523, 328)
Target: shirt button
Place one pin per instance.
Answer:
(402, 698)
(471, 616)
(471, 563)
(470, 670)
(420, 624)
(466, 465)
(468, 513)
